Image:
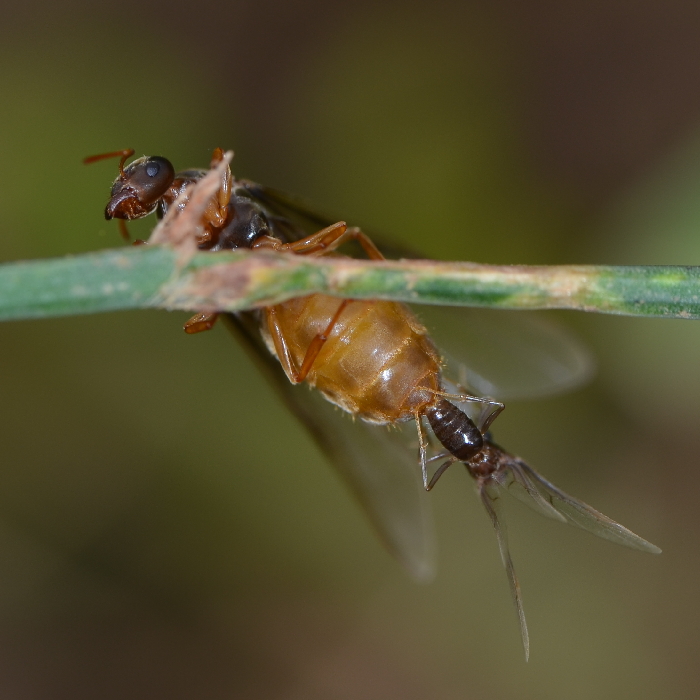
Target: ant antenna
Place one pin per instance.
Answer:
(124, 154)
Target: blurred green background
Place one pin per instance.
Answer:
(167, 530)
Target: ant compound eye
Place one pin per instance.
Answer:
(150, 178)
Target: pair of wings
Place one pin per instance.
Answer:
(525, 484)
(501, 354)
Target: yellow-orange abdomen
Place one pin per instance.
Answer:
(378, 362)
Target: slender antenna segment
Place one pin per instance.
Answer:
(123, 154)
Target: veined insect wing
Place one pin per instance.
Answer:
(524, 483)
(372, 460)
(512, 475)
(570, 509)
(515, 481)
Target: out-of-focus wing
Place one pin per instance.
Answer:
(508, 355)
(374, 461)
(523, 482)
(503, 354)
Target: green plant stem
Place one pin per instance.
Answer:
(154, 276)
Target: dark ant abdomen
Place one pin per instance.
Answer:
(454, 429)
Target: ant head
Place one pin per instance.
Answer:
(135, 193)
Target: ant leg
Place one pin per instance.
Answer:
(330, 238)
(440, 471)
(422, 451)
(316, 345)
(486, 418)
(373, 253)
(465, 397)
(424, 462)
(216, 212)
(123, 230)
(200, 322)
(281, 347)
(223, 196)
(320, 242)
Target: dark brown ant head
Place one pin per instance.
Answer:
(135, 193)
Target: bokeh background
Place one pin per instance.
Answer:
(167, 530)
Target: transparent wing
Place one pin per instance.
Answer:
(507, 354)
(490, 493)
(504, 354)
(514, 480)
(374, 461)
(384, 475)
(523, 482)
